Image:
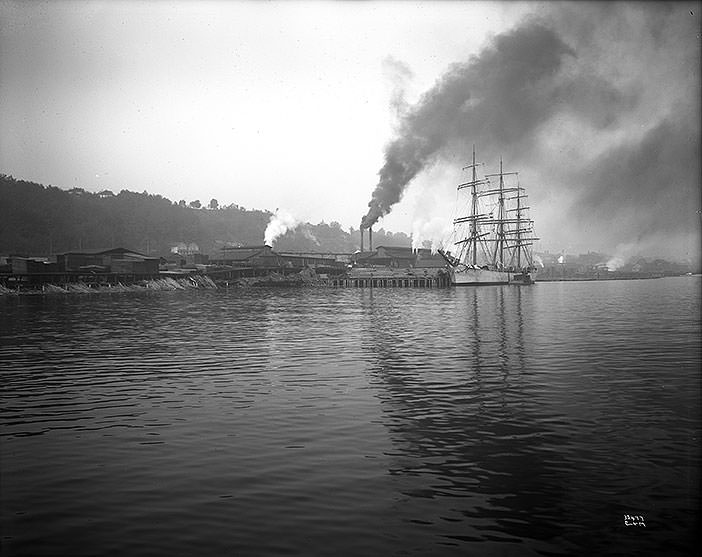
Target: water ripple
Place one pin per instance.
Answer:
(505, 421)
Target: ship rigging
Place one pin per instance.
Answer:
(494, 239)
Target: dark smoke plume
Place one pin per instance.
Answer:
(511, 75)
(643, 189)
(646, 186)
(596, 104)
(498, 97)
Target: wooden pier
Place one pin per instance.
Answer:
(388, 283)
(370, 278)
(363, 277)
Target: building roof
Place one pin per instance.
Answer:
(393, 251)
(243, 253)
(111, 251)
(316, 257)
(234, 248)
(311, 254)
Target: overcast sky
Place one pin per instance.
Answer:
(305, 106)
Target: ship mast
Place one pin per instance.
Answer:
(523, 226)
(500, 240)
(519, 227)
(500, 219)
(509, 239)
(472, 240)
(506, 237)
(474, 213)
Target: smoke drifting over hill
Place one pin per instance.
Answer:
(597, 105)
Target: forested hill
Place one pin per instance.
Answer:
(44, 220)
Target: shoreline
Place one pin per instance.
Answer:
(195, 282)
(204, 282)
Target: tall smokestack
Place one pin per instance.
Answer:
(361, 239)
(370, 238)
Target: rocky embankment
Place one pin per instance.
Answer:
(161, 284)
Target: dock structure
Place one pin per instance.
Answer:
(95, 268)
(386, 267)
(380, 282)
(391, 278)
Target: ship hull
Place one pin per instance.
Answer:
(485, 277)
(523, 278)
(475, 277)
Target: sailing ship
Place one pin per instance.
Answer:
(494, 240)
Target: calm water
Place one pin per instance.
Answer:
(490, 421)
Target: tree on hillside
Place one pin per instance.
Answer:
(214, 204)
(46, 220)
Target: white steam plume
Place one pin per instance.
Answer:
(307, 233)
(280, 223)
(435, 230)
(622, 254)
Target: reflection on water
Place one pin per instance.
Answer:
(465, 437)
(494, 421)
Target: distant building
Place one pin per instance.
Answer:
(185, 249)
(248, 256)
(320, 257)
(386, 256)
(177, 262)
(192, 259)
(115, 260)
(173, 261)
(311, 260)
(394, 257)
(30, 265)
(428, 260)
(548, 258)
(5, 264)
(265, 257)
(362, 258)
(400, 258)
(591, 259)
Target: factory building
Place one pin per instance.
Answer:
(264, 257)
(30, 265)
(91, 267)
(248, 256)
(115, 260)
(399, 258)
